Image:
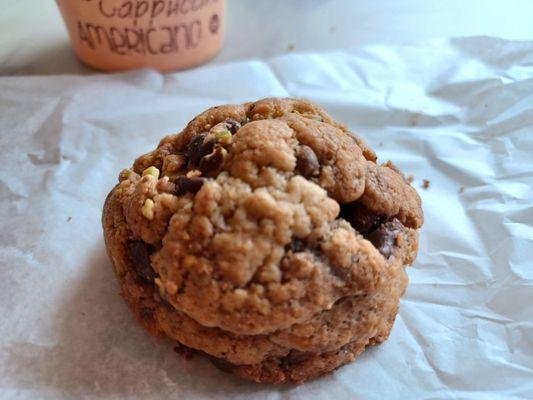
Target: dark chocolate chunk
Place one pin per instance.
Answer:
(361, 218)
(199, 147)
(233, 126)
(385, 238)
(307, 162)
(188, 185)
(297, 245)
(139, 252)
(221, 364)
(211, 164)
(294, 358)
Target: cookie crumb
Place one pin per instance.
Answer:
(461, 189)
(426, 183)
(414, 119)
(290, 47)
(410, 179)
(69, 219)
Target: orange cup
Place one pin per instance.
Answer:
(116, 35)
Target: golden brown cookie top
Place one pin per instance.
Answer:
(259, 216)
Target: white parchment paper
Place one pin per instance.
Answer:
(457, 112)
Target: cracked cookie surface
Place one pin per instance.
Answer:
(266, 236)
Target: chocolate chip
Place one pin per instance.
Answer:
(221, 364)
(307, 162)
(188, 185)
(211, 164)
(386, 236)
(233, 126)
(199, 147)
(297, 245)
(361, 218)
(139, 252)
(194, 146)
(295, 358)
(382, 233)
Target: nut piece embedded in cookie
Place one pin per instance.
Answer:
(265, 236)
(148, 209)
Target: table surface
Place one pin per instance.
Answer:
(33, 40)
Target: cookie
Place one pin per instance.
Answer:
(265, 236)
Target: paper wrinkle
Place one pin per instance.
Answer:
(457, 112)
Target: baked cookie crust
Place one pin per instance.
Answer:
(267, 237)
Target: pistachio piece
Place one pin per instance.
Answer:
(151, 171)
(224, 137)
(147, 209)
(125, 174)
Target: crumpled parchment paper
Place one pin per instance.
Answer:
(458, 113)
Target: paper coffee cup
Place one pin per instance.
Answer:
(115, 35)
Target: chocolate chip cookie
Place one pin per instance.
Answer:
(265, 236)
